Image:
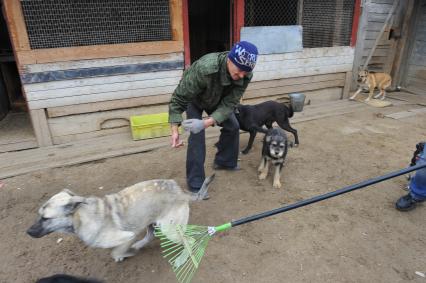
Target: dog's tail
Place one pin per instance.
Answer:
(202, 193)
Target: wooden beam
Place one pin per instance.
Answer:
(347, 86)
(186, 41)
(41, 128)
(16, 25)
(49, 55)
(176, 19)
(355, 22)
(238, 19)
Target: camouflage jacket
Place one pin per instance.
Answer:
(208, 84)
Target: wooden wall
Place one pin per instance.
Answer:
(373, 16)
(415, 71)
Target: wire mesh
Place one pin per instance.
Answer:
(67, 23)
(325, 23)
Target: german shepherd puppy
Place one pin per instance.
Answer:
(274, 150)
(116, 220)
(252, 118)
(373, 80)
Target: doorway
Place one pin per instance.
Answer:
(209, 26)
(16, 131)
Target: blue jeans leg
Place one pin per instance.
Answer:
(196, 153)
(229, 142)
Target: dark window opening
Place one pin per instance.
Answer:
(209, 27)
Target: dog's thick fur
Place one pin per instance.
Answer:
(372, 80)
(274, 150)
(253, 117)
(115, 221)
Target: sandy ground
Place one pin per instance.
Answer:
(357, 237)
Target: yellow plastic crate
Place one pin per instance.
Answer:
(150, 126)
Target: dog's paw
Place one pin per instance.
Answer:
(367, 100)
(277, 185)
(262, 175)
(119, 259)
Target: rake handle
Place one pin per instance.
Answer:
(341, 191)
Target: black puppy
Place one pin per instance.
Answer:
(63, 278)
(274, 150)
(253, 117)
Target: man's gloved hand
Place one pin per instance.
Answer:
(193, 125)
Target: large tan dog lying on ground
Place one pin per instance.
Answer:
(373, 80)
(116, 220)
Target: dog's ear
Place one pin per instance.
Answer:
(74, 202)
(68, 192)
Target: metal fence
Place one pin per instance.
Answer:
(325, 23)
(66, 23)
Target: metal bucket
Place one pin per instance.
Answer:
(297, 101)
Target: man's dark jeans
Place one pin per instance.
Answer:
(227, 147)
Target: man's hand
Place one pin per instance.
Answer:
(193, 125)
(176, 142)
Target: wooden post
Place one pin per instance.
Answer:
(186, 41)
(238, 19)
(358, 37)
(41, 127)
(355, 22)
(347, 86)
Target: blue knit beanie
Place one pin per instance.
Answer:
(244, 55)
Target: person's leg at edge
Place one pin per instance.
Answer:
(228, 145)
(196, 152)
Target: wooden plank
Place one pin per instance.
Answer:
(92, 125)
(380, 8)
(308, 53)
(73, 100)
(107, 105)
(139, 86)
(306, 63)
(41, 128)
(66, 84)
(49, 76)
(295, 81)
(104, 62)
(16, 25)
(297, 72)
(378, 52)
(383, 43)
(98, 51)
(293, 88)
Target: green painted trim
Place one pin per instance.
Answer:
(223, 227)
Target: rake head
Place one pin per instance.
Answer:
(183, 246)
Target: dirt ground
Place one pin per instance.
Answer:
(357, 237)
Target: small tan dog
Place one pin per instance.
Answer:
(372, 81)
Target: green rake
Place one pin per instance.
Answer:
(184, 245)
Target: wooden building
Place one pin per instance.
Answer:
(86, 66)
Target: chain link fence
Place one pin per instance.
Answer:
(325, 23)
(65, 23)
